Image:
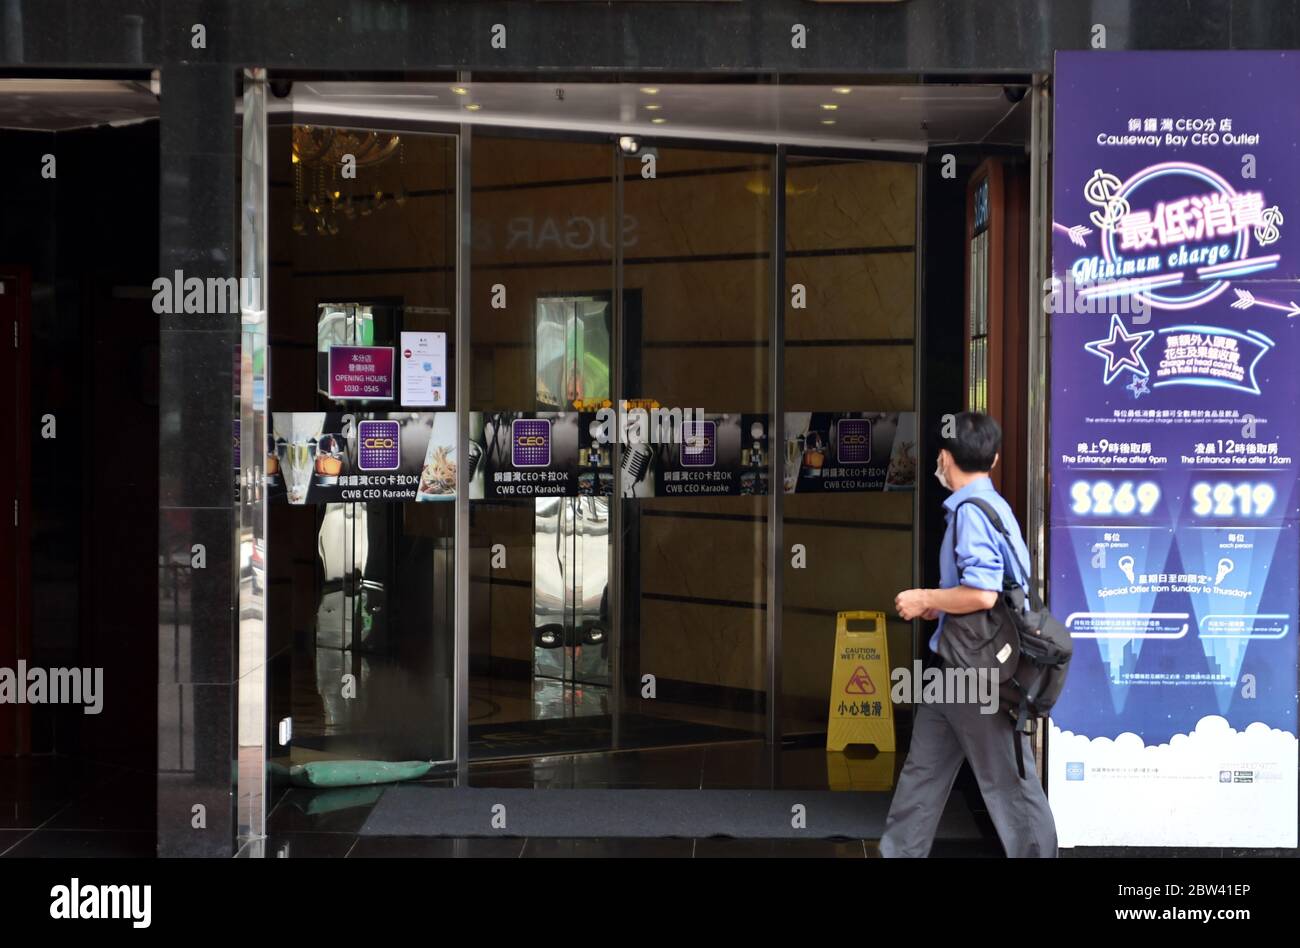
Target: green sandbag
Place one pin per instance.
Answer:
(356, 773)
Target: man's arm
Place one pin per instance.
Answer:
(959, 600)
(979, 558)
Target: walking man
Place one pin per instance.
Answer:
(944, 734)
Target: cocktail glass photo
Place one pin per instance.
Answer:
(297, 460)
(793, 461)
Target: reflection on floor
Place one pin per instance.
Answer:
(497, 700)
(390, 709)
(58, 807)
(576, 735)
(510, 718)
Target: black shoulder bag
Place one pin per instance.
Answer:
(1028, 649)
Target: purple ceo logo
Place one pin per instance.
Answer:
(699, 443)
(854, 440)
(379, 445)
(530, 442)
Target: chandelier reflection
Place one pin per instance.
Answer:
(323, 196)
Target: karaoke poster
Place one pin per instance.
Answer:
(849, 451)
(723, 453)
(1174, 553)
(316, 457)
(535, 454)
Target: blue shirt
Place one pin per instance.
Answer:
(981, 549)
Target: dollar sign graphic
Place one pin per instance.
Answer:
(1101, 191)
(1267, 232)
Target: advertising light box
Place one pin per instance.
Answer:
(1174, 550)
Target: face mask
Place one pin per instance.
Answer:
(939, 475)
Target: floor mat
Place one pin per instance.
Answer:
(413, 810)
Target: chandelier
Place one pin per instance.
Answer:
(322, 196)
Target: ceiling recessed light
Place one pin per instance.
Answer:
(842, 90)
(829, 106)
(658, 121)
(460, 90)
(650, 90)
(828, 121)
(473, 107)
(653, 107)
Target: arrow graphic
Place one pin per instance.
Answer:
(1247, 299)
(1075, 233)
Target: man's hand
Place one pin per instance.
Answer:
(915, 604)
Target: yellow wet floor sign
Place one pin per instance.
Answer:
(861, 712)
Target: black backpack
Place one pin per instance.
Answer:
(1029, 649)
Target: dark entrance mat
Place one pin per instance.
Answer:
(414, 810)
(582, 734)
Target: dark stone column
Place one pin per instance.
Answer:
(197, 668)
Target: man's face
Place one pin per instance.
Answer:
(942, 466)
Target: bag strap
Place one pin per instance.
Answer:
(993, 518)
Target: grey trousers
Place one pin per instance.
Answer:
(944, 734)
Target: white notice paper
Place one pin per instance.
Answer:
(424, 369)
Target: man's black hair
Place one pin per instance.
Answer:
(975, 442)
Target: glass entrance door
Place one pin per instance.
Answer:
(541, 671)
(362, 250)
(608, 615)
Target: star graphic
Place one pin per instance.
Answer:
(1121, 350)
(1138, 386)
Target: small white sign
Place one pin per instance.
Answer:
(424, 369)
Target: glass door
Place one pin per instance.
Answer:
(363, 241)
(544, 241)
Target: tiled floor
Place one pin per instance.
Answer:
(52, 806)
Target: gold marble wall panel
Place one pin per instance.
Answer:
(704, 301)
(676, 159)
(713, 378)
(873, 507)
(504, 379)
(850, 204)
(848, 568)
(708, 559)
(563, 222)
(857, 296)
(503, 619)
(412, 289)
(714, 645)
(429, 520)
(698, 214)
(500, 161)
(509, 622)
(510, 526)
(849, 378)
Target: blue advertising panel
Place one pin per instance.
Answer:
(1174, 552)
